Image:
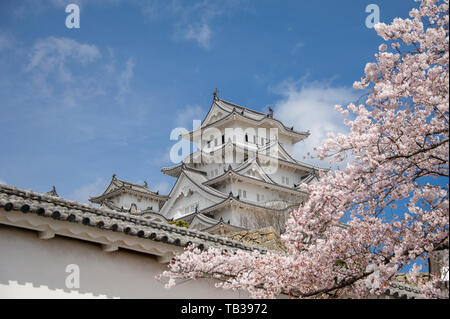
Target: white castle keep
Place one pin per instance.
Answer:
(242, 177)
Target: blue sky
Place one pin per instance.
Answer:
(77, 105)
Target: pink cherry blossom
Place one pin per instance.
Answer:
(396, 152)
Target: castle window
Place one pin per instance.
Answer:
(242, 193)
(246, 137)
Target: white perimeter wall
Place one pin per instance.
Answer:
(36, 268)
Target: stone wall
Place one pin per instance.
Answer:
(266, 238)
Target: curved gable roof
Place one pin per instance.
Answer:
(196, 181)
(117, 186)
(229, 109)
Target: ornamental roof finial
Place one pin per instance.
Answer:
(113, 176)
(52, 192)
(145, 184)
(270, 111)
(215, 94)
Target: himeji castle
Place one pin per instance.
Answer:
(233, 192)
(241, 177)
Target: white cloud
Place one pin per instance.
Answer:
(124, 79)
(195, 20)
(310, 107)
(200, 33)
(57, 73)
(53, 54)
(59, 81)
(83, 193)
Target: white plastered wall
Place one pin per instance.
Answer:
(35, 268)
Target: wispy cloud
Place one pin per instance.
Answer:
(200, 33)
(52, 54)
(64, 74)
(124, 79)
(297, 47)
(76, 88)
(310, 107)
(194, 20)
(83, 193)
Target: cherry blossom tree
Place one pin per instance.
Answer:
(388, 208)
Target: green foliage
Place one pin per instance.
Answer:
(179, 223)
(341, 263)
